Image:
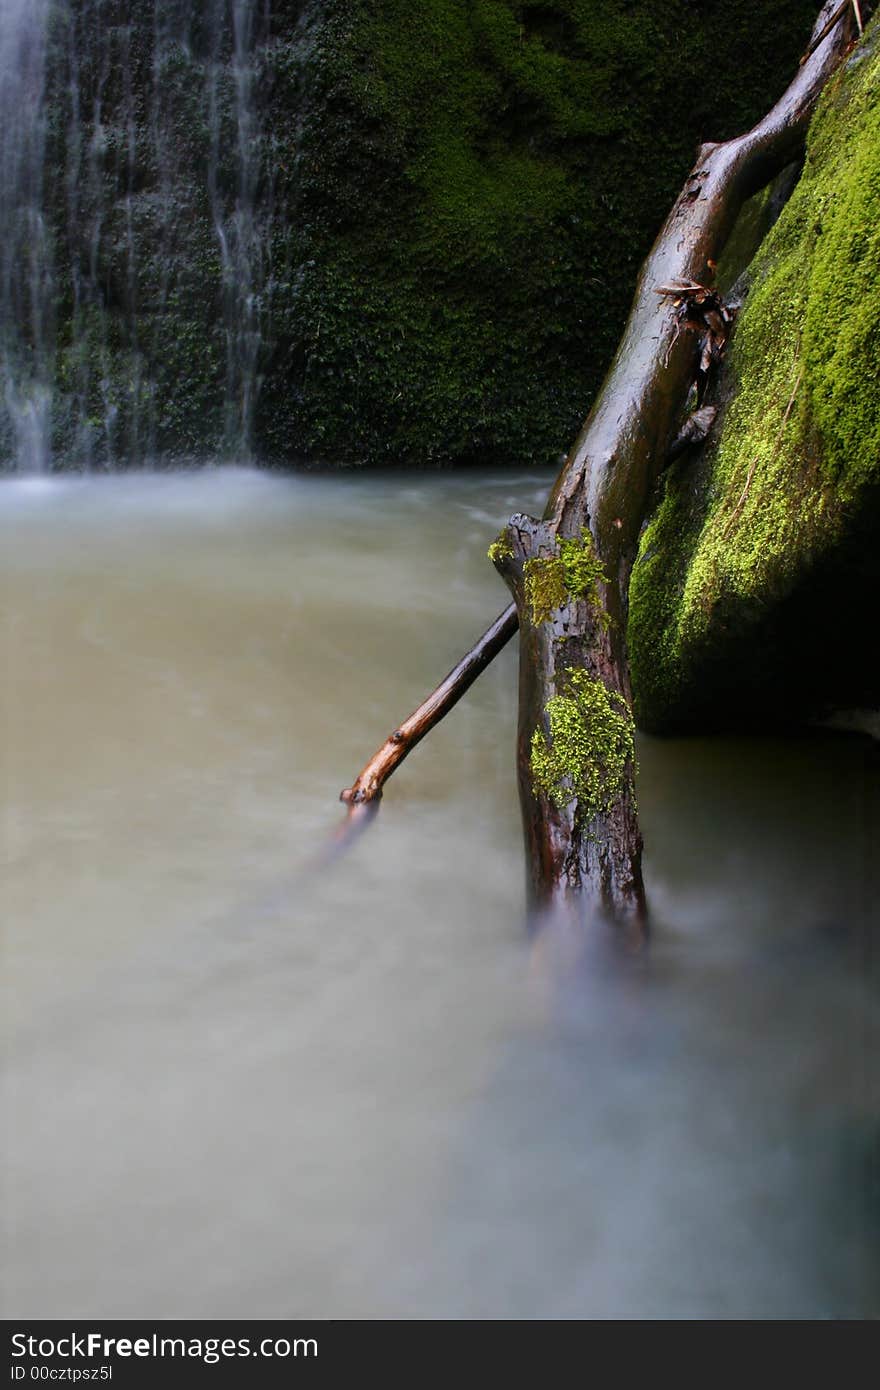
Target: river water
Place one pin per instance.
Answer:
(237, 1088)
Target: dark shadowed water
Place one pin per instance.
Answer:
(234, 1091)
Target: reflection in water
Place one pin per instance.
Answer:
(238, 1090)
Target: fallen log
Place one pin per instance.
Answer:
(569, 572)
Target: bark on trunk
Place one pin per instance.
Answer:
(569, 572)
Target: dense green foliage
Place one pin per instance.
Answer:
(451, 204)
(471, 192)
(757, 563)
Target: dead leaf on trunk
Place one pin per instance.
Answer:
(698, 309)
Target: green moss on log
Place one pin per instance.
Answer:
(589, 748)
(501, 548)
(573, 572)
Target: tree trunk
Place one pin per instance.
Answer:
(569, 572)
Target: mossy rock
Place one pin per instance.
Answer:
(759, 568)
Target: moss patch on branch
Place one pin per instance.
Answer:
(574, 572)
(589, 749)
(501, 548)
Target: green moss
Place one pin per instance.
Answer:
(466, 204)
(501, 548)
(842, 324)
(454, 201)
(799, 447)
(583, 571)
(574, 572)
(545, 587)
(589, 749)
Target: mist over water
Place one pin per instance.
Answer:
(234, 1089)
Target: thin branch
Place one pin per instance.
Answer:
(367, 786)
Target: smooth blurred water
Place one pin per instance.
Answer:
(235, 1090)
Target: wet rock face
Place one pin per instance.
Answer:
(359, 233)
(756, 576)
(156, 156)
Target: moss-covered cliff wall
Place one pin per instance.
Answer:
(470, 192)
(755, 591)
(367, 231)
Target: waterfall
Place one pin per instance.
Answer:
(26, 280)
(239, 234)
(134, 227)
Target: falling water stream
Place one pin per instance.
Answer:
(131, 160)
(236, 1088)
(239, 232)
(25, 254)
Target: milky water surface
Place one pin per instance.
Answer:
(235, 1088)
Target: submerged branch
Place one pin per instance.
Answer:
(367, 786)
